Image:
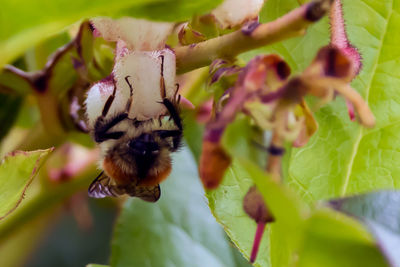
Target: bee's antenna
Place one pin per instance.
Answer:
(108, 103)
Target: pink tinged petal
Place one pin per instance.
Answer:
(97, 97)
(204, 112)
(96, 33)
(121, 50)
(257, 241)
(185, 103)
(77, 159)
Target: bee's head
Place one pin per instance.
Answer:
(145, 158)
(145, 151)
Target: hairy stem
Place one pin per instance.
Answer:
(228, 46)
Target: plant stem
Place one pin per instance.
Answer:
(38, 138)
(228, 46)
(275, 161)
(257, 241)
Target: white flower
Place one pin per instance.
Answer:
(232, 13)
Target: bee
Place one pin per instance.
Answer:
(134, 118)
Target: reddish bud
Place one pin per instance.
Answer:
(334, 63)
(254, 206)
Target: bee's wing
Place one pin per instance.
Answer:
(102, 187)
(146, 193)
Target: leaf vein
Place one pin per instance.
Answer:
(361, 130)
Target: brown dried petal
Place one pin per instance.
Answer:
(213, 163)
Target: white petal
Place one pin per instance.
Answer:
(143, 70)
(234, 12)
(138, 34)
(97, 97)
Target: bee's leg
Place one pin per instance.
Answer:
(101, 128)
(128, 104)
(173, 113)
(108, 103)
(176, 93)
(160, 120)
(162, 81)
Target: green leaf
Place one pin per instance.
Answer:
(16, 173)
(178, 230)
(380, 212)
(280, 237)
(226, 204)
(352, 159)
(332, 239)
(96, 265)
(24, 24)
(171, 10)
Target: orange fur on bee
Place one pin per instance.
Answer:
(213, 163)
(152, 180)
(121, 177)
(115, 172)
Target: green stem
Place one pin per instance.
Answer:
(228, 46)
(38, 138)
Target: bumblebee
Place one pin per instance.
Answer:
(134, 118)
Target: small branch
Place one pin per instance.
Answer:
(227, 46)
